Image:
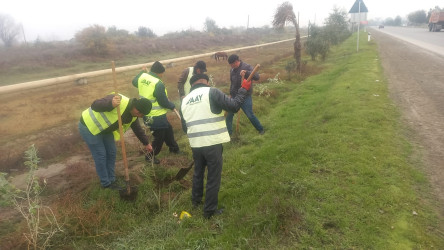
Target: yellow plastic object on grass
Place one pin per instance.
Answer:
(184, 214)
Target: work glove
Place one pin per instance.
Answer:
(246, 84)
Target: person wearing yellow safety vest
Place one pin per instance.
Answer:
(99, 128)
(152, 88)
(184, 85)
(202, 110)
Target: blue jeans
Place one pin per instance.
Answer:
(103, 150)
(247, 107)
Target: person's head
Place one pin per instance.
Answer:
(157, 68)
(200, 67)
(199, 78)
(234, 61)
(141, 107)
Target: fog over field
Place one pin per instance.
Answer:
(60, 20)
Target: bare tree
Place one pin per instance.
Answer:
(285, 14)
(9, 30)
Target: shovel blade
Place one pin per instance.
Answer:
(183, 171)
(129, 193)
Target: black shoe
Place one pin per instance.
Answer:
(208, 215)
(113, 186)
(262, 132)
(196, 205)
(177, 151)
(148, 158)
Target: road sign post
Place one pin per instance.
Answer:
(358, 14)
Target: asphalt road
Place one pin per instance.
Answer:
(422, 37)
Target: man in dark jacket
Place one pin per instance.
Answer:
(152, 88)
(99, 128)
(239, 67)
(206, 130)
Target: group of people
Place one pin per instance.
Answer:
(202, 118)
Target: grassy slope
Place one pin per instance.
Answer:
(332, 171)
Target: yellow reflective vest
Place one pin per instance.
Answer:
(187, 84)
(96, 122)
(146, 85)
(204, 128)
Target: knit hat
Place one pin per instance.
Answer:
(201, 65)
(143, 105)
(157, 68)
(233, 58)
(196, 77)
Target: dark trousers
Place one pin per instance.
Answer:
(210, 157)
(164, 135)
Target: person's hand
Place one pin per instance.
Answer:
(149, 148)
(246, 84)
(116, 101)
(242, 72)
(144, 69)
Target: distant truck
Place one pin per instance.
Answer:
(436, 21)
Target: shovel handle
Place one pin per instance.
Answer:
(238, 114)
(119, 117)
(256, 68)
(177, 113)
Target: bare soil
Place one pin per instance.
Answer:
(416, 79)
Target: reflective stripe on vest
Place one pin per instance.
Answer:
(146, 85)
(204, 128)
(96, 122)
(187, 84)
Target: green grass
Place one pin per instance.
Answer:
(333, 171)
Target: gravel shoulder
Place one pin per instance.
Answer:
(416, 85)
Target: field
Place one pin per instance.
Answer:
(29, 116)
(334, 169)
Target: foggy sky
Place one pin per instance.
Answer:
(60, 20)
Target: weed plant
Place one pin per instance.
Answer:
(40, 221)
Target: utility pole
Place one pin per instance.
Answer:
(23, 32)
(359, 24)
(248, 21)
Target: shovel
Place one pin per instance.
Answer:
(129, 193)
(183, 171)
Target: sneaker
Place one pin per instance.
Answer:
(208, 215)
(262, 132)
(149, 159)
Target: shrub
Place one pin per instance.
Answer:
(94, 40)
